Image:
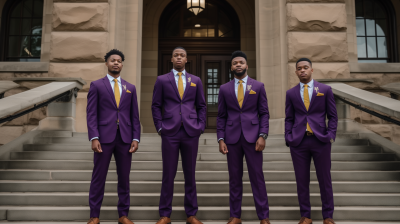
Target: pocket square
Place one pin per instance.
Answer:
(252, 92)
(128, 91)
(320, 94)
(192, 84)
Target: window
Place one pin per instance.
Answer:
(215, 21)
(23, 30)
(375, 31)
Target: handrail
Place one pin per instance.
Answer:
(378, 103)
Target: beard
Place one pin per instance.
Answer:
(239, 74)
(114, 72)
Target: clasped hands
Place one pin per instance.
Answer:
(96, 146)
(260, 145)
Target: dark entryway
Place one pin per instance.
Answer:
(209, 38)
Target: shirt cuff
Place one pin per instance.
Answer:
(135, 140)
(94, 138)
(159, 129)
(261, 134)
(220, 139)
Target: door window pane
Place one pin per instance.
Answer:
(38, 8)
(28, 8)
(382, 52)
(360, 25)
(370, 25)
(371, 46)
(13, 46)
(212, 85)
(361, 48)
(381, 27)
(15, 26)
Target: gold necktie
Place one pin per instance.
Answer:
(116, 92)
(307, 104)
(240, 93)
(180, 85)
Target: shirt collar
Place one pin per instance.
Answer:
(176, 72)
(244, 79)
(310, 84)
(112, 78)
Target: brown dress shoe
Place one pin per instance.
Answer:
(164, 220)
(124, 220)
(305, 220)
(233, 220)
(329, 221)
(265, 221)
(193, 220)
(94, 221)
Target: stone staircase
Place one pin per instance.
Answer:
(49, 180)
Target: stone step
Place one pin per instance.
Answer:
(64, 147)
(81, 213)
(202, 187)
(200, 165)
(156, 156)
(204, 199)
(138, 175)
(203, 141)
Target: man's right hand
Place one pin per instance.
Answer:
(222, 147)
(96, 147)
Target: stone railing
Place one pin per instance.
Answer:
(381, 105)
(58, 94)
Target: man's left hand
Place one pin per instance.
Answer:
(134, 147)
(260, 144)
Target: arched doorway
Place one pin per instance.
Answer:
(209, 37)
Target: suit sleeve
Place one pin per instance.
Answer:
(201, 105)
(157, 104)
(222, 115)
(289, 119)
(331, 114)
(91, 112)
(135, 116)
(263, 111)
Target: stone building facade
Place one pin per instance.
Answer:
(76, 34)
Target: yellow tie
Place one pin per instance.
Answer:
(307, 104)
(116, 92)
(180, 85)
(240, 93)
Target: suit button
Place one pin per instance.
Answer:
(241, 112)
(180, 112)
(181, 103)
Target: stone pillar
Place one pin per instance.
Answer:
(60, 115)
(317, 30)
(343, 110)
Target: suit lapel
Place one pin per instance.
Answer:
(232, 90)
(107, 84)
(314, 94)
(247, 93)
(173, 83)
(298, 96)
(123, 92)
(187, 85)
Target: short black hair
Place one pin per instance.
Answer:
(304, 59)
(112, 52)
(178, 48)
(238, 54)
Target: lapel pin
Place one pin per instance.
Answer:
(189, 79)
(124, 87)
(248, 87)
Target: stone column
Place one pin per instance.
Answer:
(317, 30)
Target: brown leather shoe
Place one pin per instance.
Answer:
(193, 220)
(124, 220)
(233, 220)
(94, 220)
(305, 220)
(164, 220)
(265, 221)
(329, 221)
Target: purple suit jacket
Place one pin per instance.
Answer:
(103, 113)
(191, 110)
(320, 108)
(252, 119)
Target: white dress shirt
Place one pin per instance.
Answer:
(244, 83)
(176, 76)
(310, 90)
(111, 79)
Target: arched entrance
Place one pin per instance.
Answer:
(209, 38)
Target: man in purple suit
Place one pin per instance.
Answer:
(179, 114)
(114, 128)
(308, 104)
(242, 128)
